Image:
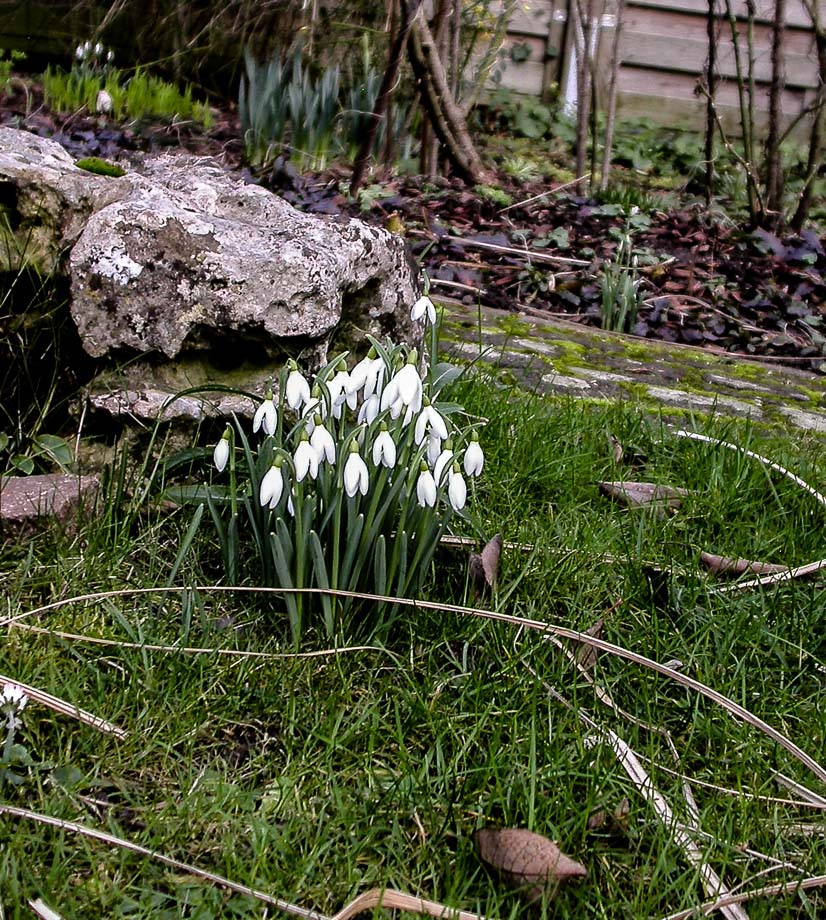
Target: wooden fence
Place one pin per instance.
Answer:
(663, 50)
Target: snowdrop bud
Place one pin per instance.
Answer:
(456, 489)
(220, 455)
(474, 458)
(266, 415)
(272, 485)
(305, 459)
(356, 476)
(426, 487)
(98, 48)
(79, 52)
(384, 449)
(297, 389)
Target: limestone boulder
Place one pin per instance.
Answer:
(184, 273)
(45, 201)
(193, 257)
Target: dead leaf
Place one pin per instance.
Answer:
(586, 654)
(484, 566)
(528, 861)
(662, 499)
(726, 565)
(617, 451)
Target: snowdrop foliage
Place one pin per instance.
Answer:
(347, 480)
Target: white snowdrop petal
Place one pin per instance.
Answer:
(457, 491)
(426, 489)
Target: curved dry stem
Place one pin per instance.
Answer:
(64, 708)
(804, 884)
(697, 686)
(374, 898)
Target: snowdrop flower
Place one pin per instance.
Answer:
(297, 389)
(384, 449)
(305, 459)
(266, 416)
(272, 485)
(79, 52)
(313, 408)
(426, 487)
(290, 505)
(369, 409)
(110, 56)
(356, 477)
(220, 455)
(409, 383)
(442, 461)
(474, 458)
(456, 489)
(322, 442)
(423, 307)
(434, 450)
(367, 375)
(430, 422)
(340, 392)
(98, 48)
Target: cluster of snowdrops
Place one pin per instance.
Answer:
(351, 478)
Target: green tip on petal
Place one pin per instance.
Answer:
(413, 357)
(423, 467)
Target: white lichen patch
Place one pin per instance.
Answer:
(118, 266)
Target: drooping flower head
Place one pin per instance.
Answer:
(297, 390)
(425, 487)
(474, 458)
(356, 476)
(456, 489)
(423, 309)
(384, 448)
(322, 442)
(220, 455)
(266, 415)
(305, 459)
(272, 484)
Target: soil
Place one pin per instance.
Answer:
(527, 247)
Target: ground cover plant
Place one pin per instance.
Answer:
(314, 775)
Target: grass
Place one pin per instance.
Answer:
(316, 778)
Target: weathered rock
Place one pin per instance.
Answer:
(193, 256)
(196, 271)
(26, 498)
(46, 200)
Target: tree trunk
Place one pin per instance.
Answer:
(711, 89)
(446, 118)
(774, 167)
(611, 114)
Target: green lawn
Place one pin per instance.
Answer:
(314, 776)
